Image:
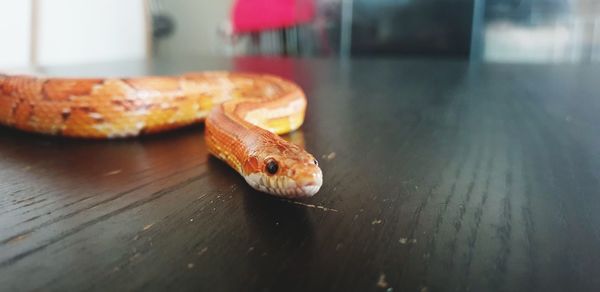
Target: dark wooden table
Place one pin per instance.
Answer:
(438, 176)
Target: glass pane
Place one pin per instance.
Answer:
(540, 31)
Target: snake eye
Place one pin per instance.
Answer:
(271, 167)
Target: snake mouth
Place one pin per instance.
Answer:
(311, 185)
(284, 186)
(309, 191)
(297, 192)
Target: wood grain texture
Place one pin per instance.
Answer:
(438, 176)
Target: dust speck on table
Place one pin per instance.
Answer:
(202, 251)
(17, 238)
(382, 282)
(404, 240)
(378, 221)
(329, 156)
(112, 172)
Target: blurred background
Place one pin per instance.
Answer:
(62, 32)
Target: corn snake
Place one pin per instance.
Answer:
(243, 115)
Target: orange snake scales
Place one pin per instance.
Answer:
(243, 115)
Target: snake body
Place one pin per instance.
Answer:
(243, 114)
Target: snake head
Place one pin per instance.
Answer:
(284, 170)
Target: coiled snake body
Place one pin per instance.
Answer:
(243, 115)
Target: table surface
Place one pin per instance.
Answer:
(438, 176)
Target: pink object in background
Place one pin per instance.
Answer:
(259, 15)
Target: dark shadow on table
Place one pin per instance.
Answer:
(100, 163)
(278, 229)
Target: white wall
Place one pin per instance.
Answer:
(72, 31)
(83, 31)
(15, 25)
